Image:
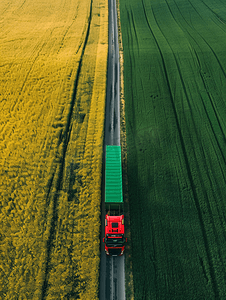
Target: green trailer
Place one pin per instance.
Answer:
(113, 179)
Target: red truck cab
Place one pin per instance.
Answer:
(114, 235)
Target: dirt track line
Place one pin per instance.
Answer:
(192, 184)
(65, 139)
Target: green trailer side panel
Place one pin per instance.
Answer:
(113, 175)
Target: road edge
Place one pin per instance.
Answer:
(129, 287)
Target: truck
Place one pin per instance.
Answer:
(114, 209)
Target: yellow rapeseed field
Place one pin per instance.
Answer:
(53, 63)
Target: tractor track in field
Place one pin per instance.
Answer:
(63, 139)
(185, 154)
(186, 157)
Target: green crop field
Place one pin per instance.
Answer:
(175, 104)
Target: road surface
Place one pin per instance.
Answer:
(112, 271)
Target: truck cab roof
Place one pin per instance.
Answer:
(114, 224)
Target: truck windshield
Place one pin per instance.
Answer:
(115, 241)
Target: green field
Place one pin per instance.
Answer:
(175, 97)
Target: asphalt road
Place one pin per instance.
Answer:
(112, 271)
